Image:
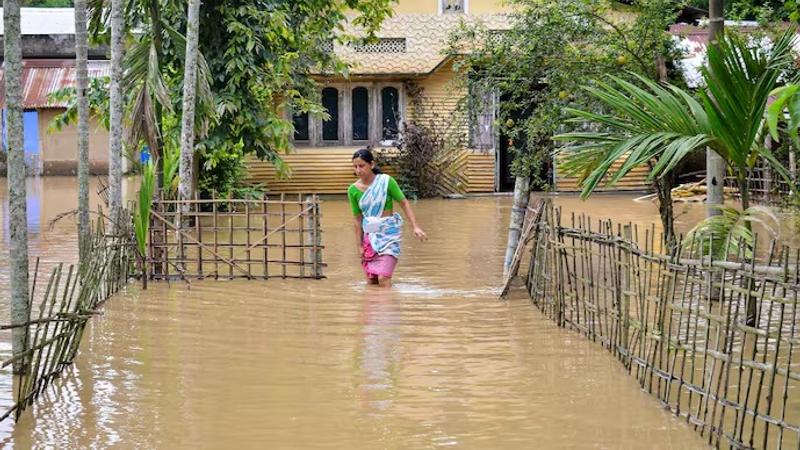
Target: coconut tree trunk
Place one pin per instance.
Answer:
(18, 222)
(82, 85)
(522, 193)
(189, 95)
(115, 144)
(715, 165)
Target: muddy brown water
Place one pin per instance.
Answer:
(437, 361)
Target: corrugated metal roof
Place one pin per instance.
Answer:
(42, 77)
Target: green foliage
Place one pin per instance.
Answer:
(98, 104)
(262, 54)
(660, 125)
(48, 3)
(664, 123)
(785, 108)
(427, 148)
(141, 217)
(730, 233)
(552, 49)
(657, 122)
(760, 10)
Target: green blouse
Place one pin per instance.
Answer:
(393, 194)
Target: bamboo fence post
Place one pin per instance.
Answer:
(198, 226)
(264, 204)
(301, 237)
(283, 235)
(317, 238)
(164, 232)
(231, 241)
(215, 227)
(247, 237)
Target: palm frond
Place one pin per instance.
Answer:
(739, 78)
(206, 108)
(141, 217)
(731, 233)
(659, 123)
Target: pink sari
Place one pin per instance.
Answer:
(376, 265)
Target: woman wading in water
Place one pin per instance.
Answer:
(378, 228)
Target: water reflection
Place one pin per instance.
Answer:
(379, 354)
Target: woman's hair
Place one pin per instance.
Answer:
(365, 155)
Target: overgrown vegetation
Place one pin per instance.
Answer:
(429, 146)
(552, 48)
(261, 54)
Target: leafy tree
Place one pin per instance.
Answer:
(262, 55)
(664, 123)
(552, 49)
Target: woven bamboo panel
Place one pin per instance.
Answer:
(330, 171)
(636, 180)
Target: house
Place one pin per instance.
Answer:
(54, 152)
(48, 50)
(370, 106)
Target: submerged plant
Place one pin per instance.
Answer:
(141, 217)
(731, 233)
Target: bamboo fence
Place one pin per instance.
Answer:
(767, 186)
(262, 238)
(60, 309)
(680, 325)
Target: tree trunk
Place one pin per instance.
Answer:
(81, 86)
(115, 144)
(18, 221)
(715, 165)
(664, 190)
(522, 193)
(752, 306)
(189, 95)
(155, 22)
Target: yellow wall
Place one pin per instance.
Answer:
(59, 148)
(431, 7)
(440, 97)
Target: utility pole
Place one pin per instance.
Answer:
(715, 165)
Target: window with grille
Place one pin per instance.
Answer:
(390, 110)
(360, 101)
(482, 112)
(300, 122)
(327, 47)
(452, 6)
(495, 37)
(384, 45)
(330, 101)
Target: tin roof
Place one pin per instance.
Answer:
(41, 77)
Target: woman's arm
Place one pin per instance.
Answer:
(359, 234)
(406, 206)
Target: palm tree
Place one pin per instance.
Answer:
(18, 221)
(660, 124)
(81, 86)
(144, 82)
(116, 111)
(189, 94)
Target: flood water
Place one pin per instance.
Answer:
(437, 361)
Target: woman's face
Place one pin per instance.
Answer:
(362, 168)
